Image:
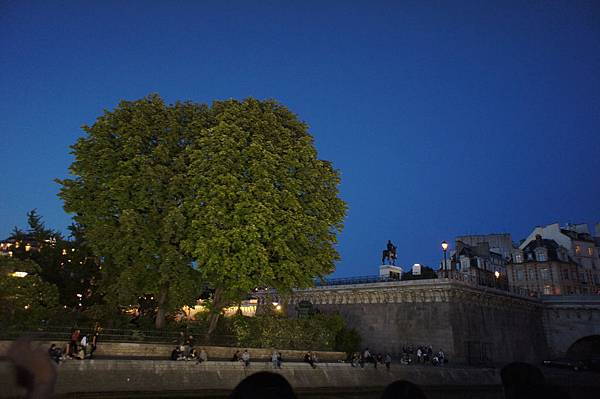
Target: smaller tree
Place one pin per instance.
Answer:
(25, 299)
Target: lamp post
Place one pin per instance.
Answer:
(445, 248)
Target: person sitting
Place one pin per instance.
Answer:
(55, 353)
(308, 358)
(202, 356)
(246, 358)
(176, 354)
(236, 357)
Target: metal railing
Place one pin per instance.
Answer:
(353, 280)
(116, 335)
(462, 277)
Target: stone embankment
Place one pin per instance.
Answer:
(161, 376)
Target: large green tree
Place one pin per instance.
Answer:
(264, 209)
(232, 196)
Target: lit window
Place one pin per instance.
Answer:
(577, 249)
(518, 258)
(591, 251)
(547, 290)
(541, 256)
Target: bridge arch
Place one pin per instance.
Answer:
(585, 347)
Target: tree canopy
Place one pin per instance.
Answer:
(231, 195)
(25, 299)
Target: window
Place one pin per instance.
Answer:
(565, 274)
(541, 256)
(532, 274)
(520, 275)
(577, 250)
(590, 251)
(518, 258)
(547, 290)
(544, 274)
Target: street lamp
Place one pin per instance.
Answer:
(445, 248)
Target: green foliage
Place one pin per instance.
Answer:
(69, 265)
(25, 301)
(264, 210)
(232, 195)
(129, 194)
(348, 340)
(318, 332)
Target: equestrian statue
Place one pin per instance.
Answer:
(389, 254)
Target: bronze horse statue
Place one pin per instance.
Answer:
(389, 254)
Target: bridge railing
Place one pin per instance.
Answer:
(462, 277)
(352, 280)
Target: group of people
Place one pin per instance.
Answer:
(365, 357)
(423, 354)
(80, 346)
(185, 350)
(243, 357)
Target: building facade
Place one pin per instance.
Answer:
(544, 267)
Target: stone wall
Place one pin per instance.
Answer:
(471, 324)
(163, 376)
(147, 378)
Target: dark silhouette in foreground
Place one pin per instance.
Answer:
(523, 380)
(263, 385)
(35, 370)
(403, 390)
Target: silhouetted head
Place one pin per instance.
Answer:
(518, 378)
(263, 385)
(403, 390)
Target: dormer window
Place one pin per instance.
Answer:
(519, 258)
(541, 255)
(577, 250)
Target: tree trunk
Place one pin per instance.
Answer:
(215, 313)
(161, 312)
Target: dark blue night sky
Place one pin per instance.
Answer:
(444, 117)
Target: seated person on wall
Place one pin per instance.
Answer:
(246, 358)
(308, 358)
(177, 353)
(202, 356)
(55, 353)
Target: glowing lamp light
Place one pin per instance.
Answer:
(19, 274)
(444, 246)
(27, 247)
(79, 295)
(497, 274)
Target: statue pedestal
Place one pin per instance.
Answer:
(391, 272)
